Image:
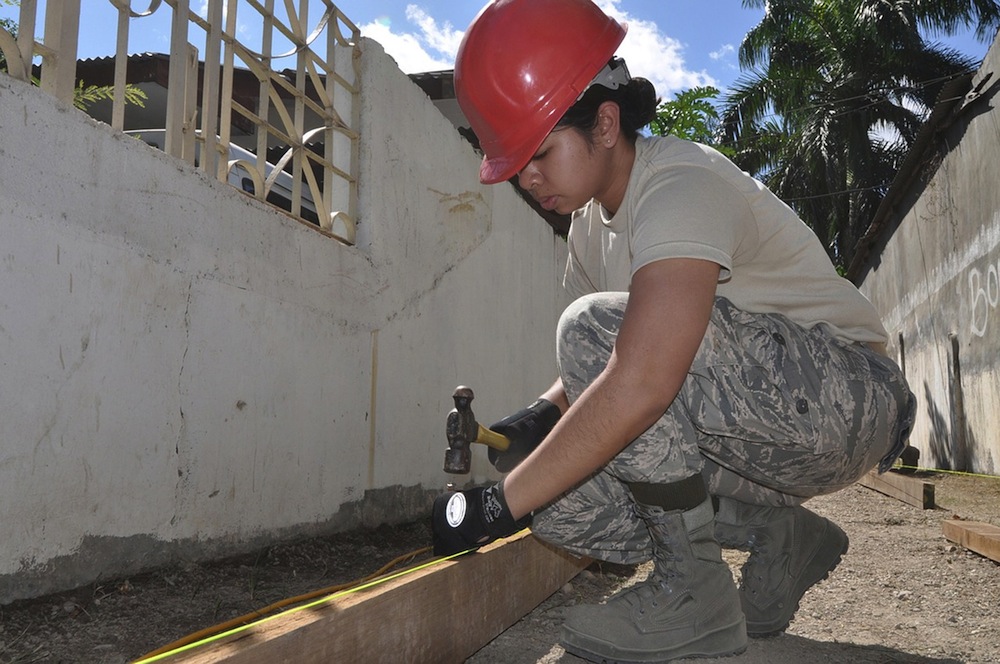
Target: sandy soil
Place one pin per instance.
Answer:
(903, 593)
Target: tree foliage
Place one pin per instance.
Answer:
(84, 96)
(690, 115)
(11, 27)
(834, 93)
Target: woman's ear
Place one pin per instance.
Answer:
(608, 129)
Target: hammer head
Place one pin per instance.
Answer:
(461, 428)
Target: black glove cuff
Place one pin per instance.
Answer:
(545, 412)
(497, 518)
(525, 429)
(532, 423)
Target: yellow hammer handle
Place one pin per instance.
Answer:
(497, 441)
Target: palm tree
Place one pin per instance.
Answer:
(834, 94)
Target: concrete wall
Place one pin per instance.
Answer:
(187, 372)
(937, 283)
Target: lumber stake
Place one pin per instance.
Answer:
(983, 538)
(910, 490)
(440, 614)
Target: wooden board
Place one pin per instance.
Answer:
(910, 490)
(983, 538)
(441, 614)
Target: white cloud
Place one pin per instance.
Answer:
(444, 39)
(427, 45)
(653, 55)
(407, 49)
(723, 53)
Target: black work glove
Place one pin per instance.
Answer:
(462, 520)
(525, 429)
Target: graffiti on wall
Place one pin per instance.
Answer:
(984, 285)
(984, 292)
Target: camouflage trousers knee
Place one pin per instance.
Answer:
(771, 413)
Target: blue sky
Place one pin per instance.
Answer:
(677, 44)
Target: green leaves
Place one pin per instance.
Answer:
(84, 96)
(690, 115)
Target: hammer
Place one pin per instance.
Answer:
(462, 430)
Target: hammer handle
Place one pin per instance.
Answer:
(497, 441)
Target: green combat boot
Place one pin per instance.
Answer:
(791, 550)
(689, 607)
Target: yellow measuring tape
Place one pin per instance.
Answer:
(950, 472)
(259, 617)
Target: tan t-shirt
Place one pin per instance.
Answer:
(686, 200)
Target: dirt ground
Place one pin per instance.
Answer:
(902, 593)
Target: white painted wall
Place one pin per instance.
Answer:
(186, 372)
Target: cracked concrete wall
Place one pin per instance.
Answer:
(188, 373)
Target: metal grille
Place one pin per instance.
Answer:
(306, 115)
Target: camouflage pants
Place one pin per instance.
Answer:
(770, 413)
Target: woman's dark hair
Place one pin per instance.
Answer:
(636, 100)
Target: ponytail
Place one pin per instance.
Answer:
(637, 102)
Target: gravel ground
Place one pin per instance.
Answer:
(902, 593)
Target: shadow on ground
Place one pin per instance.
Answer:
(514, 646)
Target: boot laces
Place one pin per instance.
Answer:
(757, 569)
(660, 582)
(650, 592)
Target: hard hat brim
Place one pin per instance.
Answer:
(499, 169)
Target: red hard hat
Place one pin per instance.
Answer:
(521, 65)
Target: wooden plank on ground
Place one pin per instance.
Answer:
(441, 614)
(910, 490)
(983, 538)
